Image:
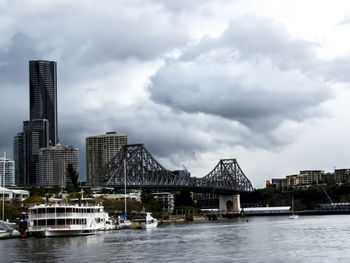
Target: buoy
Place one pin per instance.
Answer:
(247, 220)
(23, 235)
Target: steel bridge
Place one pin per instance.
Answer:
(144, 171)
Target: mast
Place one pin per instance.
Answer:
(3, 188)
(125, 185)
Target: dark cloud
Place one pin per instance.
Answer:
(240, 88)
(254, 73)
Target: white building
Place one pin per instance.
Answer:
(165, 200)
(9, 172)
(10, 194)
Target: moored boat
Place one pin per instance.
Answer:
(5, 233)
(144, 221)
(65, 220)
(151, 222)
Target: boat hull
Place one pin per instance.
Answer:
(5, 234)
(62, 232)
(152, 225)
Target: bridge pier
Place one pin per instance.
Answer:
(230, 203)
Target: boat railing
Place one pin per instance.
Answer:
(58, 227)
(59, 215)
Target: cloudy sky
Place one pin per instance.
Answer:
(265, 82)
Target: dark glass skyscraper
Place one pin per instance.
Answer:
(43, 94)
(41, 130)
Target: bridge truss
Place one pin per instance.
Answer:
(144, 171)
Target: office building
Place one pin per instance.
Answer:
(100, 150)
(53, 162)
(18, 157)
(9, 172)
(36, 136)
(43, 94)
(40, 131)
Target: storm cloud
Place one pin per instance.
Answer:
(179, 76)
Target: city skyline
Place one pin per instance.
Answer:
(264, 82)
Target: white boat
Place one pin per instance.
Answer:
(6, 229)
(110, 224)
(123, 223)
(151, 222)
(5, 233)
(65, 220)
(144, 221)
(293, 216)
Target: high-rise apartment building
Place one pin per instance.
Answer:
(53, 162)
(100, 150)
(36, 136)
(43, 94)
(18, 157)
(9, 172)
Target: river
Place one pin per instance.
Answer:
(261, 239)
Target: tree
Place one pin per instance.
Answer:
(183, 198)
(33, 200)
(10, 212)
(71, 178)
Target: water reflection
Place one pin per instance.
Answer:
(262, 239)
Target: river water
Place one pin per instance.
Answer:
(261, 239)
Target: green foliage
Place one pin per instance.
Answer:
(183, 198)
(55, 190)
(38, 191)
(303, 198)
(34, 200)
(72, 178)
(10, 211)
(146, 196)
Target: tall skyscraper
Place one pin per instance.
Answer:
(43, 94)
(41, 129)
(100, 150)
(9, 172)
(53, 162)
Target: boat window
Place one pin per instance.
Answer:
(41, 211)
(60, 222)
(69, 210)
(51, 210)
(35, 222)
(51, 222)
(69, 221)
(60, 210)
(41, 222)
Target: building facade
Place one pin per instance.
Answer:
(53, 162)
(165, 200)
(307, 178)
(18, 157)
(36, 136)
(43, 94)
(40, 131)
(100, 150)
(9, 172)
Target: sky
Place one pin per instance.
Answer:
(264, 81)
